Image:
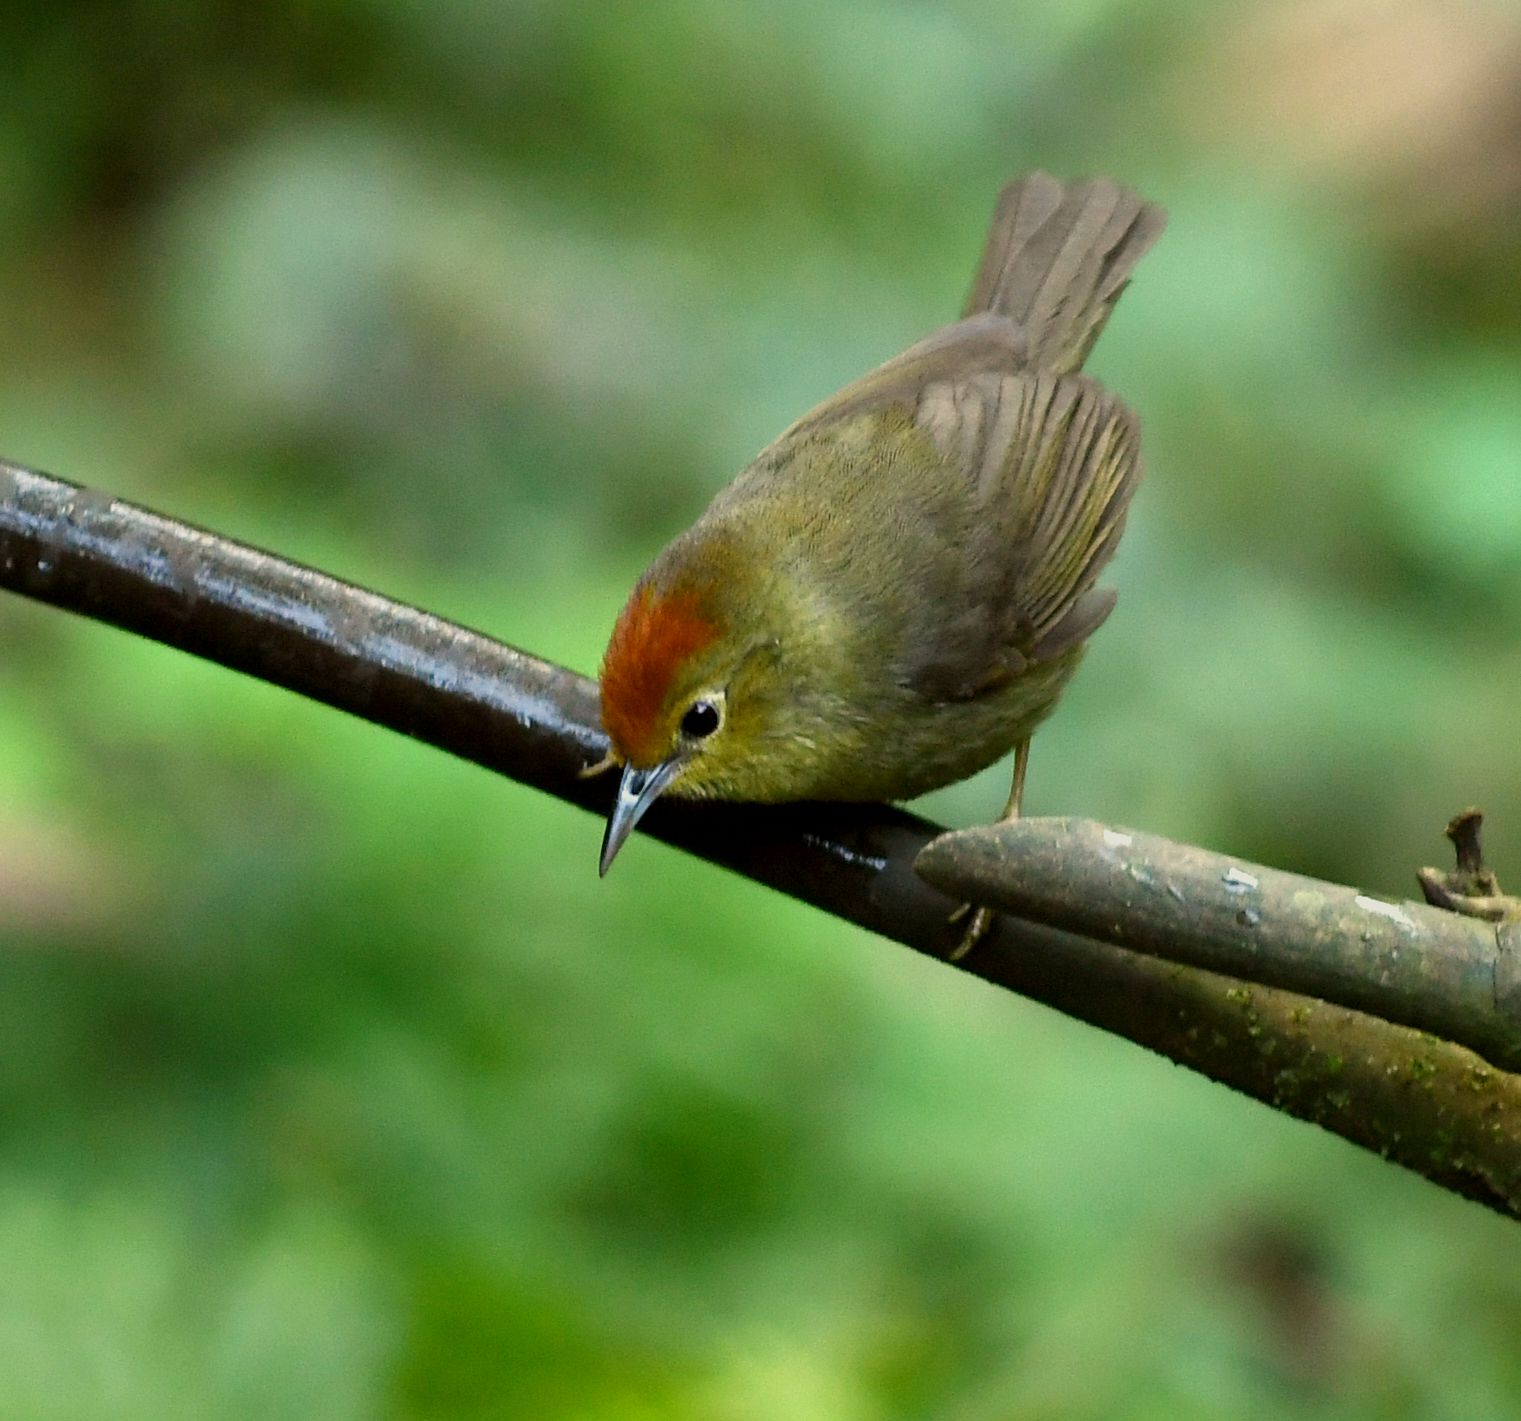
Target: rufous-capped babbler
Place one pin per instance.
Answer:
(892, 594)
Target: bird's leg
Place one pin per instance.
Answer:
(982, 918)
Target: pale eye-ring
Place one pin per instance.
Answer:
(700, 721)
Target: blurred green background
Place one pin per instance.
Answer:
(332, 1082)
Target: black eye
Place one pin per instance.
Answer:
(701, 720)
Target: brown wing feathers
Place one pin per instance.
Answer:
(1051, 462)
(1049, 458)
(1080, 466)
(1057, 457)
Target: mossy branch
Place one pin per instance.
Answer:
(1432, 1105)
(1442, 972)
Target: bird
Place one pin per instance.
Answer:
(894, 592)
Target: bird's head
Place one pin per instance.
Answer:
(687, 685)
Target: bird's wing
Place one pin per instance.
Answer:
(985, 342)
(989, 558)
(1049, 463)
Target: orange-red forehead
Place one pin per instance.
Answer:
(656, 635)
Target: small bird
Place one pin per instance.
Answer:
(892, 595)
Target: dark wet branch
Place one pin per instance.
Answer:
(1432, 1105)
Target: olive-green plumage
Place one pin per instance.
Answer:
(892, 595)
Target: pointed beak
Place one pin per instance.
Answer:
(636, 792)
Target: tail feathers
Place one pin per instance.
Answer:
(1058, 256)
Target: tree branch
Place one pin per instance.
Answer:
(1434, 1106)
(1437, 971)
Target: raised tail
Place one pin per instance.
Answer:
(1058, 255)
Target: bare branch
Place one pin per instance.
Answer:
(1431, 1105)
(1437, 971)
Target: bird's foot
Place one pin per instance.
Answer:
(981, 919)
(590, 772)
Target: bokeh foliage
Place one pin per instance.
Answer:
(334, 1084)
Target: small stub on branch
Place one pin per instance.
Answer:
(1472, 888)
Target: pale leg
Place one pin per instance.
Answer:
(982, 918)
